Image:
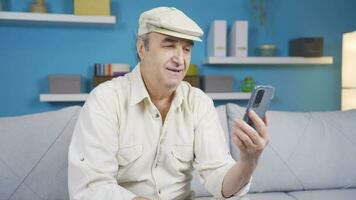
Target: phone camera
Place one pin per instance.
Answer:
(259, 97)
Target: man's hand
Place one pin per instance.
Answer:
(251, 142)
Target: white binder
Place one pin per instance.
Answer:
(238, 39)
(217, 38)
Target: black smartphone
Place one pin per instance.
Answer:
(259, 102)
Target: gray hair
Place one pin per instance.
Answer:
(145, 40)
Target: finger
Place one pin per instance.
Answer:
(248, 130)
(266, 119)
(244, 137)
(259, 124)
(239, 143)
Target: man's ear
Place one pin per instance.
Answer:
(140, 48)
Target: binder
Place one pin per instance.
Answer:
(217, 39)
(238, 39)
(92, 7)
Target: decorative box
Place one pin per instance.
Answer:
(217, 83)
(64, 84)
(306, 47)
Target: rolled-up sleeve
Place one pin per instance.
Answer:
(212, 155)
(92, 162)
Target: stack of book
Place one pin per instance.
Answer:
(105, 72)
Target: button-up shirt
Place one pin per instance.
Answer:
(121, 147)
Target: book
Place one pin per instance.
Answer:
(113, 69)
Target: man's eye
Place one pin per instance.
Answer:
(170, 45)
(187, 49)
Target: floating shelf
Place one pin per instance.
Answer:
(63, 97)
(55, 18)
(83, 96)
(269, 60)
(229, 96)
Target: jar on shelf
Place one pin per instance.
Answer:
(266, 50)
(248, 84)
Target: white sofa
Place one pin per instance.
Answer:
(311, 155)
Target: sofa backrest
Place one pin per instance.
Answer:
(34, 149)
(33, 154)
(308, 150)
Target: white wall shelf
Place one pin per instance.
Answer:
(229, 96)
(83, 96)
(55, 18)
(269, 60)
(63, 97)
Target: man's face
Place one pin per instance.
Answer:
(166, 60)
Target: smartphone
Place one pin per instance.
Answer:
(259, 102)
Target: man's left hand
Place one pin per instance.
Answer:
(250, 141)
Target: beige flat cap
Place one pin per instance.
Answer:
(169, 21)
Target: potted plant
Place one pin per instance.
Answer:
(259, 7)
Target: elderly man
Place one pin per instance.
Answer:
(140, 136)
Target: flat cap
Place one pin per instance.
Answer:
(169, 21)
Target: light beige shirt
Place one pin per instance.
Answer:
(121, 148)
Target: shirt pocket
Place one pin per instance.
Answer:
(183, 156)
(129, 154)
(128, 163)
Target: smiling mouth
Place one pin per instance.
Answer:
(175, 70)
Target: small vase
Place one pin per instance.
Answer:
(248, 84)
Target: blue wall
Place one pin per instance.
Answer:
(29, 52)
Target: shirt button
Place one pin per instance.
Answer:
(156, 115)
(156, 165)
(159, 191)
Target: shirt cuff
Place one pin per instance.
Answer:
(213, 183)
(243, 191)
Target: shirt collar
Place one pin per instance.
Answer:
(139, 90)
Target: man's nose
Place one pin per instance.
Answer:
(179, 56)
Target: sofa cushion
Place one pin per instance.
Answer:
(342, 194)
(269, 196)
(24, 192)
(54, 164)
(9, 180)
(309, 150)
(26, 145)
